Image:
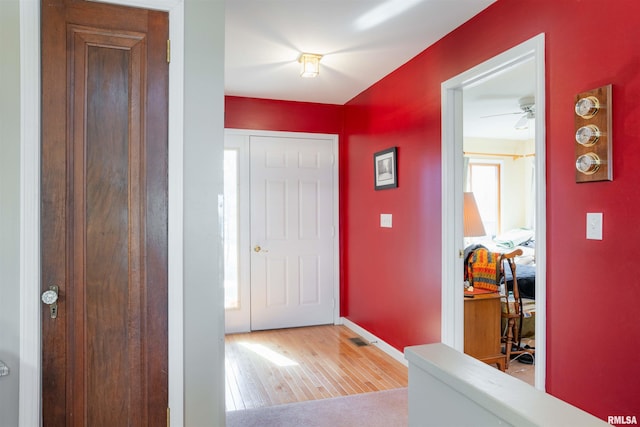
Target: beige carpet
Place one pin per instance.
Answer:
(377, 409)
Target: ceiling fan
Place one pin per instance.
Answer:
(527, 111)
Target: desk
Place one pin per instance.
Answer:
(482, 329)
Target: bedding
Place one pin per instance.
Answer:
(513, 238)
(526, 274)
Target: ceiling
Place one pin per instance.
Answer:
(492, 108)
(361, 41)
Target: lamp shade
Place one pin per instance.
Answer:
(472, 222)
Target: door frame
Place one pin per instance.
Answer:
(30, 390)
(244, 195)
(452, 316)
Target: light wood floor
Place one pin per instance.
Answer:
(268, 368)
(523, 371)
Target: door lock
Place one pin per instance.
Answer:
(50, 297)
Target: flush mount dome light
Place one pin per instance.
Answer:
(310, 64)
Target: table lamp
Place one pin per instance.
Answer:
(472, 222)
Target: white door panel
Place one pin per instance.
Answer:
(292, 231)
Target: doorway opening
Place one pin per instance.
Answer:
(453, 179)
(280, 230)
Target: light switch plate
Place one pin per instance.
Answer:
(386, 220)
(594, 226)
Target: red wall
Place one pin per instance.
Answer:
(267, 114)
(392, 276)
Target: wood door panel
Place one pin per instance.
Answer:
(108, 175)
(104, 214)
(53, 219)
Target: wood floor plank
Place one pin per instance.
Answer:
(232, 392)
(252, 391)
(268, 368)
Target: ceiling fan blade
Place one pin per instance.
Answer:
(523, 122)
(503, 114)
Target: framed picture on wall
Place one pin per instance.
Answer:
(385, 169)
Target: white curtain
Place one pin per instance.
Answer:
(465, 174)
(531, 203)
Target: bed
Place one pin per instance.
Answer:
(526, 275)
(520, 238)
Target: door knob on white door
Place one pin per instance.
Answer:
(257, 248)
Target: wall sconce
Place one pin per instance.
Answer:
(471, 217)
(593, 145)
(310, 64)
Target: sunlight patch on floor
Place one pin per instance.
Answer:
(270, 355)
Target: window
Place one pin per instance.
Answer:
(484, 181)
(231, 230)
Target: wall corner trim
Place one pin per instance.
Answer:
(382, 345)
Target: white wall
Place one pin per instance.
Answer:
(203, 160)
(443, 380)
(9, 207)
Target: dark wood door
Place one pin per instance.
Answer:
(104, 214)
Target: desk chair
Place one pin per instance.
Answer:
(512, 312)
(485, 270)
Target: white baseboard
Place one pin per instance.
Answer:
(374, 340)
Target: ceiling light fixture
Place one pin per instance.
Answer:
(310, 64)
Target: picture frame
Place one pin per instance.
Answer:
(385, 169)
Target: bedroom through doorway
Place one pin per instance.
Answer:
(488, 170)
(499, 174)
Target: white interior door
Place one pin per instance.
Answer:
(281, 243)
(292, 231)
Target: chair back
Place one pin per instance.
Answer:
(485, 270)
(511, 307)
